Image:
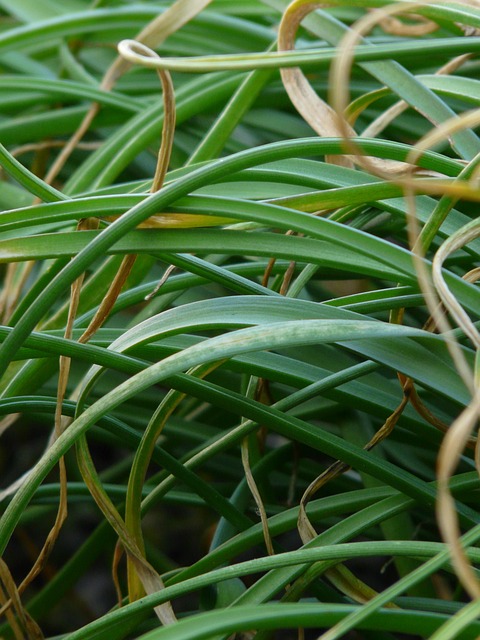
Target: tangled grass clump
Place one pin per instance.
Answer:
(238, 353)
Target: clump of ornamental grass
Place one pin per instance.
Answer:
(238, 353)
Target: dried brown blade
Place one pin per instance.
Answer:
(172, 19)
(110, 298)
(64, 370)
(452, 447)
(420, 26)
(150, 579)
(315, 111)
(20, 620)
(339, 575)
(252, 485)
